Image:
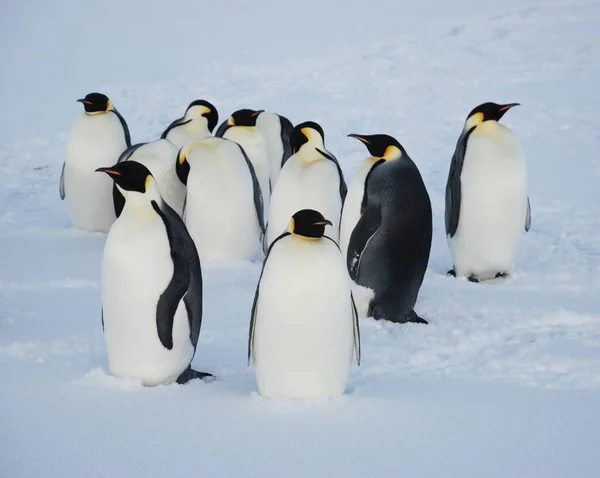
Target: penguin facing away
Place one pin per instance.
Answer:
(151, 285)
(224, 206)
(241, 128)
(487, 207)
(98, 136)
(304, 326)
(310, 179)
(197, 123)
(160, 157)
(277, 130)
(389, 247)
(382, 150)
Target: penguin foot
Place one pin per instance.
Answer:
(473, 278)
(410, 316)
(451, 272)
(501, 275)
(191, 374)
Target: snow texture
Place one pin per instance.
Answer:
(505, 378)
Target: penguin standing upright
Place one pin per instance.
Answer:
(223, 209)
(277, 130)
(356, 190)
(241, 128)
(197, 123)
(389, 247)
(304, 326)
(310, 179)
(160, 157)
(487, 207)
(151, 285)
(98, 136)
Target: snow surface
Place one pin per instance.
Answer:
(503, 382)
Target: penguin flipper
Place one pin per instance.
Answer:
(528, 217)
(125, 127)
(62, 181)
(258, 197)
(286, 132)
(365, 229)
(356, 329)
(453, 191)
(191, 374)
(125, 155)
(177, 122)
(224, 126)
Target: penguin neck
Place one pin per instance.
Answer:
(308, 151)
(199, 125)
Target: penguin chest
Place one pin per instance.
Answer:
(493, 204)
(136, 270)
(303, 336)
(353, 201)
(220, 211)
(305, 186)
(195, 130)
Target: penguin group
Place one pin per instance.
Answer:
(259, 188)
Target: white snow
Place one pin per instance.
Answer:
(505, 379)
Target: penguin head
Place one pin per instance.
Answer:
(487, 112)
(244, 117)
(381, 145)
(133, 179)
(307, 132)
(308, 223)
(203, 109)
(96, 103)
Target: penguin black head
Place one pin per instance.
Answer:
(381, 145)
(305, 132)
(244, 117)
(95, 103)
(129, 176)
(308, 223)
(488, 111)
(207, 110)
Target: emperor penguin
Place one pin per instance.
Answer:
(310, 179)
(277, 130)
(389, 247)
(98, 136)
(379, 149)
(304, 326)
(197, 123)
(487, 206)
(151, 285)
(224, 206)
(160, 157)
(241, 128)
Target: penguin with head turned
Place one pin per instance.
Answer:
(310, 179)
(241, 128)
(160, 157)
(151, 285)
(197, 123)
(277, 130)
(304, 326)
(487, 206)
(389, 247)
(98, 136)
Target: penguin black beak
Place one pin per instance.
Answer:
(322, 223)
(108, 171)
(508, 106)
(358, 137)
(328, 156)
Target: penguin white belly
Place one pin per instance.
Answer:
(195, 130)
(352, 203)
(255, 146)
(305, 186)
(94, 141)
(160, 158)
(303, 336)
(220, 213)
(270, 126)
(136, 269)
(493, 204)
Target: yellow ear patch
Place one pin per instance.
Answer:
(148, 180)
(392, 152)
(307, 132)
(231, 121)
(474, 120)
(108, 105)
(291, 225)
